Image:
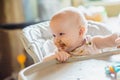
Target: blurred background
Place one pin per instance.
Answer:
(17, 14)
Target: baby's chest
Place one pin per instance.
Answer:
(86, 50)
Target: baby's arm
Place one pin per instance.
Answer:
(106, 41)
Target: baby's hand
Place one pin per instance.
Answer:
(118, 42)
(62, 56)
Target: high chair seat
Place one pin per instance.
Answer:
(37, 38)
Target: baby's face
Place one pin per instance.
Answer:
(66, 34)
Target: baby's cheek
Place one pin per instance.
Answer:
(56, 43)
(66, 40)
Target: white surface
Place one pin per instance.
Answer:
(83, 70)
(113, 24)
(118, 76)
(76, 69)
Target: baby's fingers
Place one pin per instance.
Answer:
(117, 41)
(58, 57)
(62, 57)
(66, 56)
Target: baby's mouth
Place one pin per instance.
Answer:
(62, 45)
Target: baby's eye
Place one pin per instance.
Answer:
(61, 34)
(54, 35)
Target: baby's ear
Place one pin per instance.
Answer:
(82, 30)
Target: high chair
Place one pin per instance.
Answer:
(35, 37)
(37, 41)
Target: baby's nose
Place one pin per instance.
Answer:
(57, 40)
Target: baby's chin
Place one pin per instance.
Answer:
(65, 49)
(69, 49)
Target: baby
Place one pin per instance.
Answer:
(69, 28)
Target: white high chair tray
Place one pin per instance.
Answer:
(77, 68)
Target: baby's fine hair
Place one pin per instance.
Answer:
(72, 11)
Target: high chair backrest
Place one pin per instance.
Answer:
(33, 38)
(36, 38)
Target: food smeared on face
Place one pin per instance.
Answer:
(62, 45)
